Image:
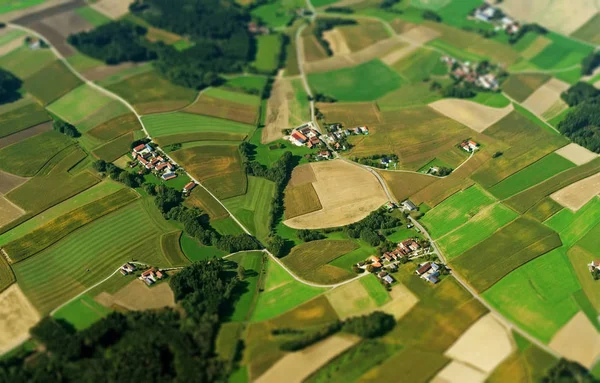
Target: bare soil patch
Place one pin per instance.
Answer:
(138, 296)
(337, 42)
(402, 301)
(9, 211)
(17, 316)
(55, 38)
(484, 345)
(9, 181)
(576, 154)
(578, 194)
(104, 71)
(578, 340)
(457, 372)
(278, 111)
(67, 23)
(545, 96)
(351, 299)
(348, 193)
(38, 12)
(476, 116)
(562, 16)
(113, 8)
(297, 366)
(301, 175)
(420, 35)
(23, 134)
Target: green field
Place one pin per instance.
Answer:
(582, 254)
(562, 53)
(23, 62)
(493, 99)
(82, 312)
(252, 84)
(420, 65)
(544, 288)
(310, 260)
(115, 127)
(171, 248)
(92, 16)
(27, 157)
(544, 209)
(201, 199)
(53, 231)
(97, 192)
(528, 198)
(513, 245)
(521, 86)
(574, 225)
(535, 173)
(115, 148)
(13, 5)
(484, 224)
(10, 36)
(82, 63)
(181, 123)
(268, 53)
(278, 13)
(248, 289)
(227, 226)
(195, 252)
(105, 114)
(22, 118)
(51, 83)
(253, 209)
(282, 293)
(409, 95)
(86, 257)
(375, 289)
(79, 104)
(456, 210)
(365, 82)
(235, 96)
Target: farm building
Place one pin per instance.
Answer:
(469, 146)
(151, 276)
(409, 205)
(128, 268)
(168, 176)
(384, 276)
(423, 268)
(594, 265)
(189, 187)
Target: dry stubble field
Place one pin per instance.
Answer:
(476, 116)
(17, 316)
(576, 195)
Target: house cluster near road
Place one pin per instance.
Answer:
(337, 135)
(150, 159)
(430, 271)
(480, 75)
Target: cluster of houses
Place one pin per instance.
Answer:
(469, 146)
(306, 135)
(495, 16)
(468, 72)
(430, 271)
(151, 276)
(404, 249)
(127, 268)
(152, 160)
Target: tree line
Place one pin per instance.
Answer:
(165, 345)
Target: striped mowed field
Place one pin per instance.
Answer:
(89, 255)
(177, 123)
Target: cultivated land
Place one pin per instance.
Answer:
(476, 116)
(521, 86)
(9, 181)
(185, 123)
(227, 105)
(578, 340)
(576, 154)
(347, 193)
(573, 225)
(546, 96)
(576, 195)
(79, 103)
(17, 317)
(21, 118)
(82, 312)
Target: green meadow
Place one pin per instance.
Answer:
(239, 97)
(573, 225)
(79, 104)
(82, 312)
(268, 53)
(179, 123)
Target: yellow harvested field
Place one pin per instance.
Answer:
(17, 316)
(484, 345)
(420, 35)
(337, 42)
(351, 299)
(112, 8)
(377, 50)
(578, 194)
(302, 175)
(348, 193)
(278, 110)
(297, 366)
(576, 154)
(561, 16)
(402, 301)
(578, 340)
(476, 116)
(536, 47)
(138, 296)
(397, 54)
(301, 200)
(457, 372)
(545, 96)
(9, 211)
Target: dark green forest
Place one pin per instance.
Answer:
(582, 123)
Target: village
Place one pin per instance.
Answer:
(151, 160)
(308, 135)
(483, 75)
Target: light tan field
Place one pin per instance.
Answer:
(578, 340)
(337, 42)
(278, 111)
(545, 96)
(10, 181)
(9, 211)
(395, 56)
(476, 116)
(420, 35)
(576, 154)
(302, 175)
(537, 46)
(11, 45)
(112, 8)
(578, 194)
(348, 193)
(555, 109)
(484, 345)
(297, 366)
(379, 49)
(457, 372)
(402, 301)
(351, 299)
(562, 16)
(138, 296)
(17, 316)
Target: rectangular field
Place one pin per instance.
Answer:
(182, 123)
(51, 83)
(515, 244)
(225, 109)
(85, 257)
(108, 112)
(115, 148)
(201, 199)
(79, 103)
(544, 288)
(455, 211)
(22, 118)
(82, 312)
(520, 86)
(562, 53)
(533, 174)
(574, 225)
(24, 62)
(268, 53)
(115, 127)
(301, 200)
(421, 65)
(484, 224)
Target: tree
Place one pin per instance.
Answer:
(357, 270)
(373, 325)
(370, 268)
(9, 86)
(431, 15)
(99, 165)
(276, 245)
(241, 272)
(566, 371)
(65, 128)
